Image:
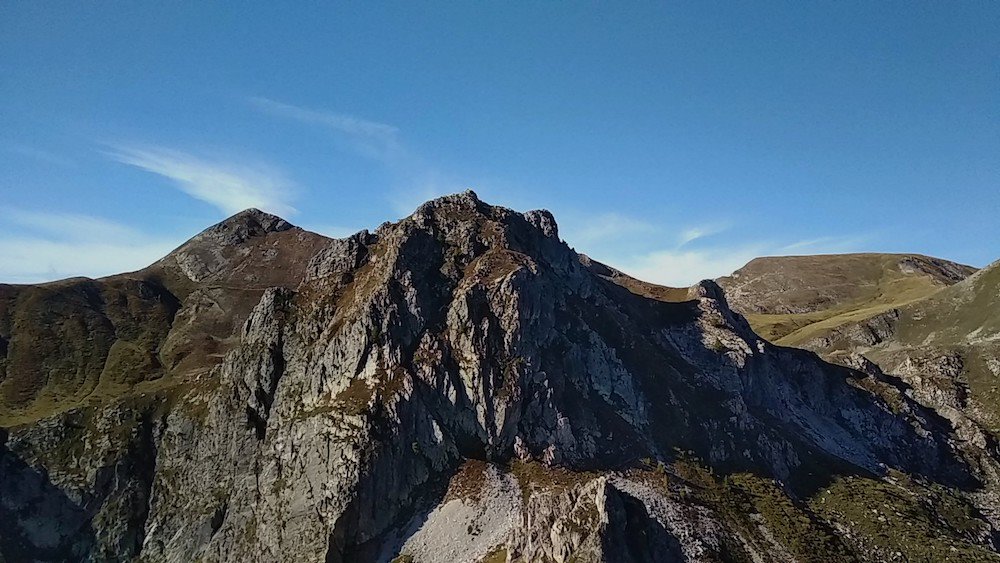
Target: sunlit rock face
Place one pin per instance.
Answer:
(461, 386)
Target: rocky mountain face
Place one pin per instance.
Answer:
(944, 346)
(457, 386)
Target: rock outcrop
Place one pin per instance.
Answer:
(460, 385)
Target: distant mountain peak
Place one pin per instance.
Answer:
(230, 249)
(246, 224)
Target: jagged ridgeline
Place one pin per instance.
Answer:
(457, 386)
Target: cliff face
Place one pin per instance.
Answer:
(459, 386)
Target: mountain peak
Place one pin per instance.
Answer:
(246, 224)
(468, 198)
(246, 248)
(467, 206)
(462, 369)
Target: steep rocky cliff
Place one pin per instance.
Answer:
(460, 386)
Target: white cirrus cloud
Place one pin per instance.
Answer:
(229, 186)
(414, 180)
(823, 245)
(370, 138)
(40, 246)
(684, 264)
(604, 228)
(682, 268)
(698, 232)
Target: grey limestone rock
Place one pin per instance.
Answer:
(335, 429)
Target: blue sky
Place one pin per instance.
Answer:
(673, 140)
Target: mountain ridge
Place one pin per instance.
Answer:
(943, 345)
(461, 385)
(222, 271)
(792, 298)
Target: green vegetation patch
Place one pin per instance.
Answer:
(467, 483)
(498, 555)
(761, 512)
(902, 520)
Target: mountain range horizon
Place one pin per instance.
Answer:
(461, 385)
(254, 211)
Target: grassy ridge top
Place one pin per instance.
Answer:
(966, 312)
(792, 299)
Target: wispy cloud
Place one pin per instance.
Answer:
(681, 268)
(689, 259)
(415, 181)
(608, 229)
(229, 186)
(692, 234)
(604, 228)
(39, 246)
(370, 138)
(823, 245)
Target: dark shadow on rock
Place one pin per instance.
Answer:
(343, 545)
(102, 521)
(633, 536)
(40, 522)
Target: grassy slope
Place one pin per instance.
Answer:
(936, 318)
(965, 312)
(790, 300)
(891, 292)
(81, 342)
(818, 293)
(962, 320)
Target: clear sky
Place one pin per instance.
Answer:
(673, 140)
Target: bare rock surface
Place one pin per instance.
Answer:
(462, 386)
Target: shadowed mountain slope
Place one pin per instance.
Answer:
(947, 346)
(932, 323)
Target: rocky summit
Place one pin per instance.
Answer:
(458, 386)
